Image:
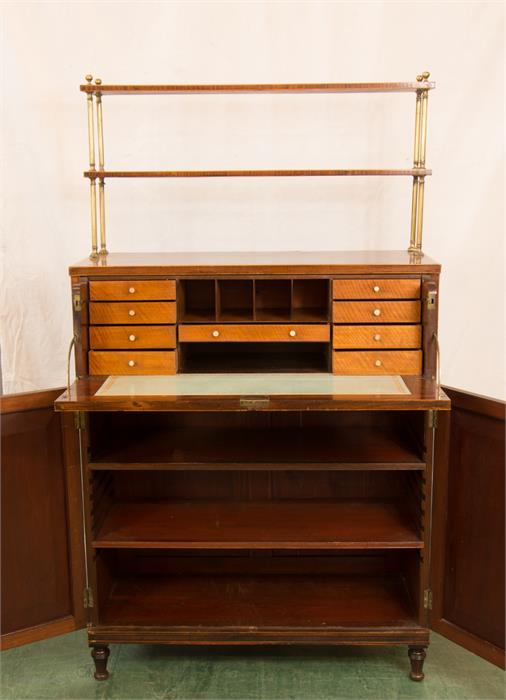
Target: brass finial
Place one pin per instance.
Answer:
(98, 81)
(424, 76)
(88, 78)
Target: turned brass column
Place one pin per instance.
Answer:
(101, 182)
(419, 154)
(93, 186)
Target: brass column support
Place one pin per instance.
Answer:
(101, 181)
(420, 148)
(93, 188)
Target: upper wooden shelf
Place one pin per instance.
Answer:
(258, 87)
(411, 172)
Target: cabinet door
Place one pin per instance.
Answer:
(468, 526)
(41, 533)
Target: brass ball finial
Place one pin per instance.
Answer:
(88, 78)
(426, 75)
(98, 81)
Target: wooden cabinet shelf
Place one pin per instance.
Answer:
(200, 447)
(258, 525)
(297, 602)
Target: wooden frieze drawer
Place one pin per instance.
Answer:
(378, 362)
(376, 289)
(133, 313)
(134, 362)
(132, 337)
(133, 290)
(257, 333)
(376, 311)
(377, 337)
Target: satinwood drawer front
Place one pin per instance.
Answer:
(133, 313)
(135, 290)
(254, 333)
(132, 337)
(378, 362)
(376, 289)
(135, 362)
(377, 337)
(376, 311)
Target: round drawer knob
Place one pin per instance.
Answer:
(376, 288)
(131, 312)
(292, 334)
(132, 338)
(131, 290)
(131, 363)
(377, 336)
(216, 334)
(377, 312)
(378, 363)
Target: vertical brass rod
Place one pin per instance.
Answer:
(421, 164)
(101, 182)
(93, 201)
(416, 160)
(419, 214)
(93, 189)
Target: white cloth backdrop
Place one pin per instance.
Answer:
(47, 48)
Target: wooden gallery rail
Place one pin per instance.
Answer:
(418, 172)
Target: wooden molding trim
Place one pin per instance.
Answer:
(29, 400)
(37, 633)
(471, 642)
(476, 403)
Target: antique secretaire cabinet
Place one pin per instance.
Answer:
(257, 433)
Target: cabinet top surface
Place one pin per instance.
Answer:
(251, 263)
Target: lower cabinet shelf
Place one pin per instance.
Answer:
(254, 603)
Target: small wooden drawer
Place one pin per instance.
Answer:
(376, 289)
(254, 333)
(378, 362)
(376, 311)
(135, 290)
(377, 337)
(135, 362)
(132, 337)
(133, 313)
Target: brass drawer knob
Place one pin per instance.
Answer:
(131, 363)
(216, 334)
(378, 363)
(132, 338)
(377, 336)
(132, 290)
(131, 312)
(376, 288)
(377, 312)
(292, 334)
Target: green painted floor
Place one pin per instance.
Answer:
(62, 668)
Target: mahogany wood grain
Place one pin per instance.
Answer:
(468, 546)
(376, 311)
(343, 172)
(132, 313)
(287, 263)
(144, 362)
(132, 290)
(132, 337)
(376, 289)
(405, 362)
(376, 337)
(258, 525)
(258, 87)
(254, 332)
(424, 395)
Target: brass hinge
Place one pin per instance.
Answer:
(77, 302)
(431, 299)
(254, 403)
(79, 420)
(433, 419)
(88, 598)
(427, 599)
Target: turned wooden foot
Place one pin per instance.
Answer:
(417, 657)
(100, 654)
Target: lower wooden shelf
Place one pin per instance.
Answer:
(258, 525)
(252, 603)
